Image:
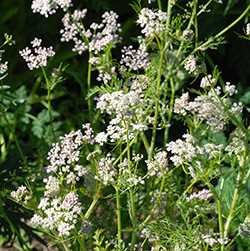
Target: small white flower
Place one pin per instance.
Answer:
(37, 56)
(64, 228)
(106, 172)
(152, 22)
(181, 104)
(230, 89)
(207, 81)
(188, 35)
(191, 65)
(201, 195)
(135, 59)
(58, 214)
(248, 29)
(213, 239)
(21, 194)
(52, 186)
(49, 7)
(3, 67)
(183, 150)
(101, 138)
(158, 166)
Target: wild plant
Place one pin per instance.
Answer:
(129, 179)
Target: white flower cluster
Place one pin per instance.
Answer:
(207, 81)
(191, 65)
(127, 109)
(188, 35)
(58, 213)
(244, 228)
(201, 195)
(158, 166)
(96, 38)
(21, 194)
(3, 65)
(106, 171)
(152, 22)
(248, 29)
(73, 30)
(212, 150)
(135, 59)
(183, 150)
(105, 33)
(147, 233)
(181, 103)
(128, 179)
(49, 7)
(64, 156)
(105, 76)
(39, 57)
(230, 89)
(52, 186)
(213, 239)
(236, 145)
(186, 150)
(119, 102)
(208, 108)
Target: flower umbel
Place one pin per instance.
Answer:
(37, 56)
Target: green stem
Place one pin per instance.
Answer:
(133, 219)
(196, 23)
(204, 7)
(157, 101)
(156, 205)
(221, 226)
(65, 246)
(89, 85)
(162, 52)
(48, 87)
(132, 209)
(118, 214)
(191, 20)
(124, 151)
(234, 22)
(145, 142)
(159, 4)
(170, 112)
(245, 12)
(190, 186)
(233, 205)
(82, 244)
(92, 205)
(169, 12)
(24, 159)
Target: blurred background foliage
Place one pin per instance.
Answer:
(24, 134)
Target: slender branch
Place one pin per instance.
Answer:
(93, 204)
(118, 214)
(89, 85)
(233, 205)
(245, 12)
(48, 87)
